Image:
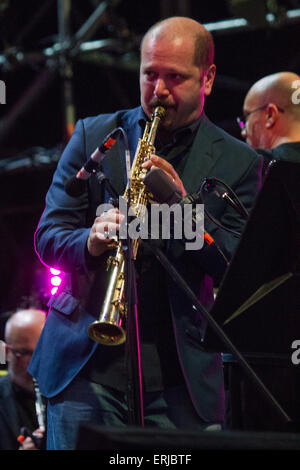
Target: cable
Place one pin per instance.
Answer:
(209, 184)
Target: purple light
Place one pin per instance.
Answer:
(55, 281)
(54, 271)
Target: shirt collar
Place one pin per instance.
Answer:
(178, 133)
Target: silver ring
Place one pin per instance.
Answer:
(106, 234)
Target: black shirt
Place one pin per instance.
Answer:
(25, 403)
(290, 152)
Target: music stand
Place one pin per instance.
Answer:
(258, 303)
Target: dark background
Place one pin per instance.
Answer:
(32, 122)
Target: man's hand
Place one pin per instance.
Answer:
(158, 162)
(104, 227)
(28, 443)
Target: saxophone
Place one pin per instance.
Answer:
(39, 406)
(109, 330)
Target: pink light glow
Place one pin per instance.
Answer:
(55, 281)
(55, 272)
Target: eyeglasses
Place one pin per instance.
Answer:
(20, 352)
(242, 120)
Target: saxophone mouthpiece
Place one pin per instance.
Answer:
(159, 112)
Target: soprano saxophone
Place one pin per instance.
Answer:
(109, 329)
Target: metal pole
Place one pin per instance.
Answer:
(66, 67)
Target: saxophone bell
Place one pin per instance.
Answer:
(108, 334)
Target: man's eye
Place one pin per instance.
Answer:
(176, 76)
(150, 75)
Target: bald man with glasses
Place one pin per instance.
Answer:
(17, 397)
(271, 120)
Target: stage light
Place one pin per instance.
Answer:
(56, 278)
(54, 271)
(54, 290)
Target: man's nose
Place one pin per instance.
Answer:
(161, 88)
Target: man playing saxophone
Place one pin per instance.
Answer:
(182, 383)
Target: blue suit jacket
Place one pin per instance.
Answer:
(64, 346)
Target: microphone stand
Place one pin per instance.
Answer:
(132, 345)
(174, 274)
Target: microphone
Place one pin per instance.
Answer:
(212, 185)
(75, 186)
(165, 191)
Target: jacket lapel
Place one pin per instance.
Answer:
(204, 155)
(205, 152)
(114, 166)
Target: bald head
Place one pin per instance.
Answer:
(22, 331)
(24, 323)
(182, 28)
(277, 88)
(272, 109)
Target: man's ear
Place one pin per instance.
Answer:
(271, 115)
(209, 79)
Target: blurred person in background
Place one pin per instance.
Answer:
(18, 418)
(271, 120)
